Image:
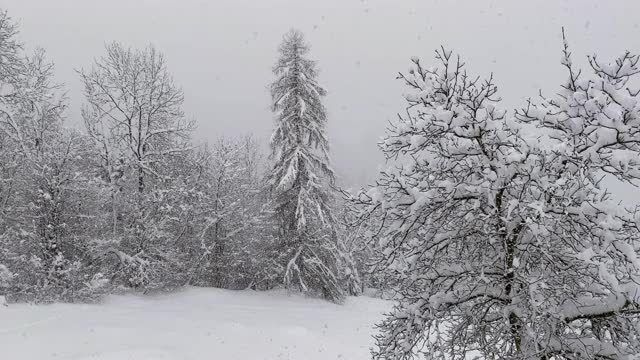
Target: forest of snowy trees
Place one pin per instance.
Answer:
(132, 202)
(491, 229)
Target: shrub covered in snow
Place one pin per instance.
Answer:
(5, 276)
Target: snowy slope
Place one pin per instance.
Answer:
(193, 324)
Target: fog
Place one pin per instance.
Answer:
(221, 53)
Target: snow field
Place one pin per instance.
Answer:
(194, 324)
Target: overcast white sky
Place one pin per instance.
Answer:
(221, 52)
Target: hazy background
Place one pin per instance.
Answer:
(221, 53)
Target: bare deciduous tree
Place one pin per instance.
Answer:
(134, 115)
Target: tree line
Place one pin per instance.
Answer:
(132, 202)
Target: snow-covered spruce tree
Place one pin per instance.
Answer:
(498, 229)
(301, 174)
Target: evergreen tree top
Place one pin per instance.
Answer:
(300, 115)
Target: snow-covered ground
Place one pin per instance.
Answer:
(193, 324)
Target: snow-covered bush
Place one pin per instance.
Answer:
(497, 228)
(5, 276)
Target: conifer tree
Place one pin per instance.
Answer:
(301, 174)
